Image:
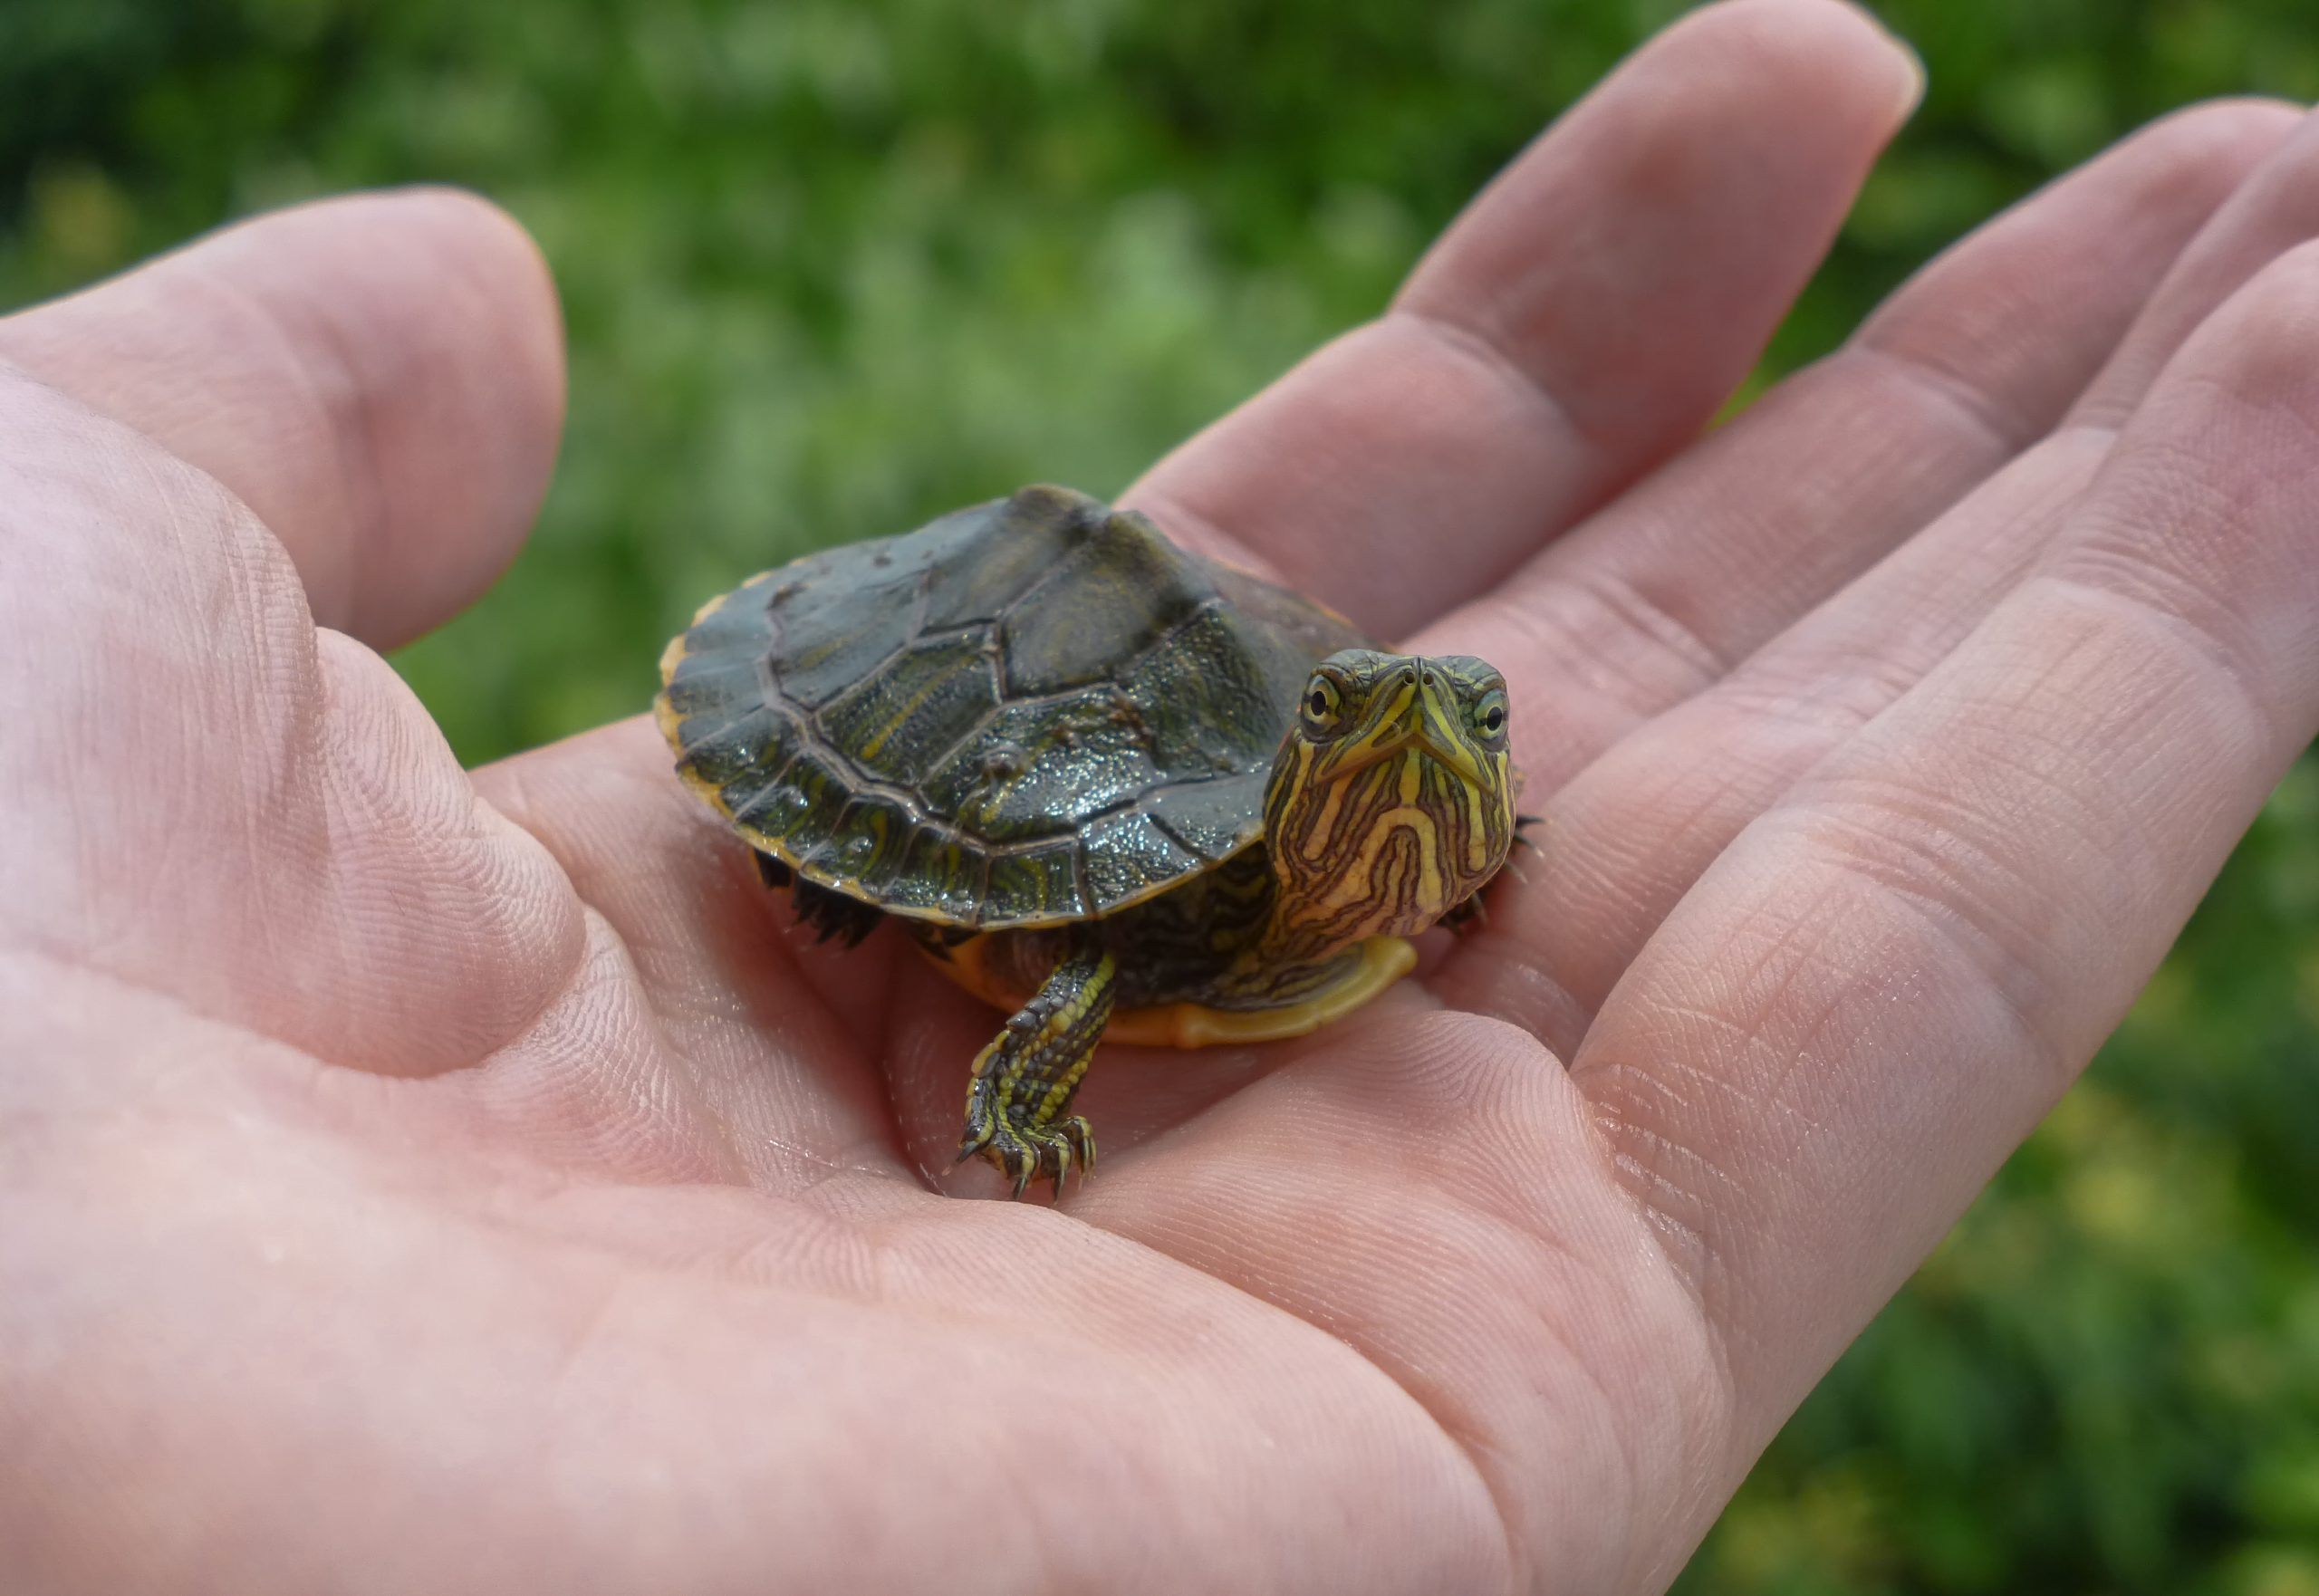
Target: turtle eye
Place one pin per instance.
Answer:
(1489, 719)
(1323, 703)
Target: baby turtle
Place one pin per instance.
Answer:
(1111, 787)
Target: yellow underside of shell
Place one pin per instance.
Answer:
(1383, 961)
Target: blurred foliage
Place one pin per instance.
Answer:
(833, 265)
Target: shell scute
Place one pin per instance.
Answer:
(828, 634)
(1204, 680)
(739, 755)
(1121, 591)
(1208, 819)
(1129, 856)
(1037, 770)
(1038, 882)
(712, 692)
(983, 559)
(870, 842)
(734, 624)
(897, 722)
(801, 807)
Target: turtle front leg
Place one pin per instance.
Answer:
(1470, 913)
(1023, 1081)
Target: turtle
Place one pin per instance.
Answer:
(1111, 787)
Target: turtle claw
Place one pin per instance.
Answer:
(1472, 913)
(1023, 1081)
(1026, 1152)
(1073, 1141)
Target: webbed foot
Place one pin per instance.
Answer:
(1467, 914)
(1024, 1081)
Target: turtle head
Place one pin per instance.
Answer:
(1392, 799)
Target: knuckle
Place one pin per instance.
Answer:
(2268, 335)
(1951, 902)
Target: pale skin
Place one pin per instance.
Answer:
(414, 1179)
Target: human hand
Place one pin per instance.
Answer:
(412, 1179)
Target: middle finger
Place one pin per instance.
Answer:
(1580, 323)
(1973, 361)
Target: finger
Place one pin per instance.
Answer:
(1872, 996)
(1636, 829)
(1623, 841)
(379, 378)
(2261, 220)
(1585, 317)
(1661, 593)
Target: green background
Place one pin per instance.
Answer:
(832, 266)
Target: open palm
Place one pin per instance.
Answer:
(421, 1179)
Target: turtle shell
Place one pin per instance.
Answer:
(1032, 711)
